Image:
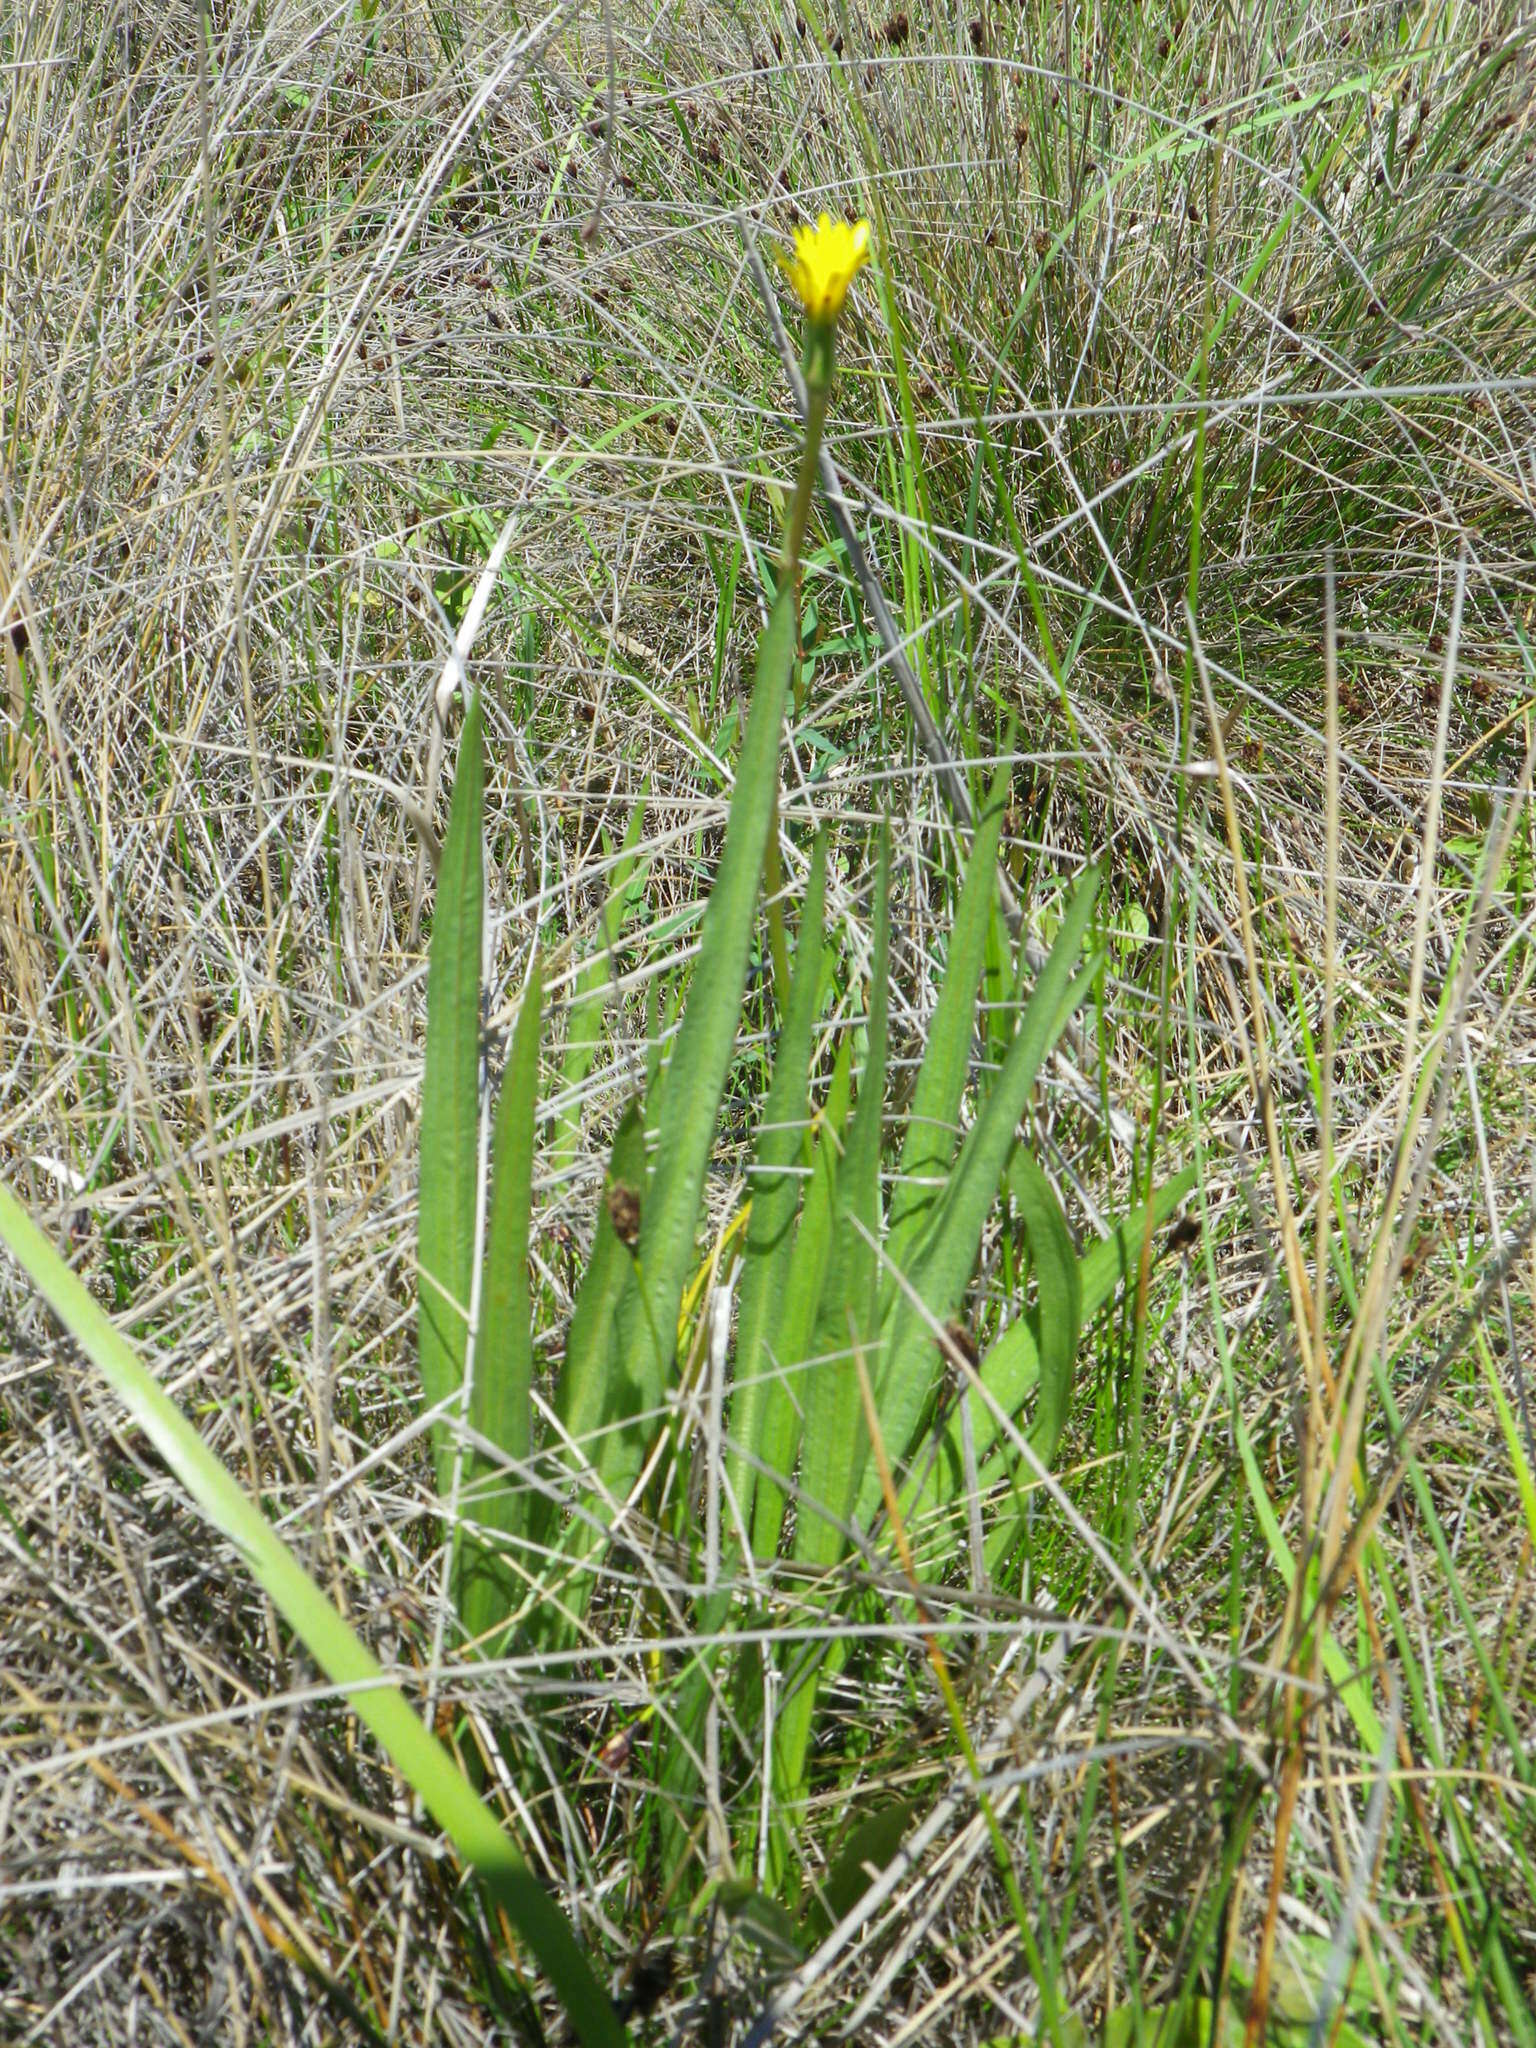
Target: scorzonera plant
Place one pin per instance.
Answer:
(844, 1292)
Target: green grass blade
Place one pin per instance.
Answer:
(857, 1273)
(776, 1190)
(383, 1709)
(500, 1394)
(770, 1246)
(450, 1098)
(1111, 1262)
(930, 1140)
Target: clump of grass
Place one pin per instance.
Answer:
(1218, 1717)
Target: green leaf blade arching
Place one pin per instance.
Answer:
(382, 1708)
(598, 1412)
(1105, 1267)
(450, 1099)
(591, 995)
(495, 1494)
(706, 1038)
(759, 1404)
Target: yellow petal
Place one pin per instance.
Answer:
(826, 260)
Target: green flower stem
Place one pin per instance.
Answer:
(820, 342)
(819, 348)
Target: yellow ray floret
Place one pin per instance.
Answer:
(826, 260)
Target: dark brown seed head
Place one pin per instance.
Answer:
(1184, 1232)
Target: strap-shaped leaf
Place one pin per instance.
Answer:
(1059, 1295)
(1111, 1261)
(769, 1255)
(835, 1429)
(776, 1187)
(591, 1391)
(789, 1379)
(834, 1421)
(450, 1098)
(857, 1287)
(496, 1492)
(589, 1000)
(933, 1122)
(946, 1255)
(1011, 1368)
(707, 1036)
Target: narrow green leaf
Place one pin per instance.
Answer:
(450, 1099)
(1059, 1295)
(592, 1391)
(1010, 1370)
(834, 1420)
(495, 1495)
(420, 1759)
(707, 1037)
(857, 1272)
(1110, 1262)
(789, 1384)
(776, 1186)
(776, 1189)
(593, 990)
(835, 1433)
(933, 1126)
(947, 1253)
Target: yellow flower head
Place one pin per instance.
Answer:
(826, 260)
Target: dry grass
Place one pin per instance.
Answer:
(287, 332)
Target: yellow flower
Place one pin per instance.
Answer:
(826, 260)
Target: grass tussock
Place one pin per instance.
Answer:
(1187, 455)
